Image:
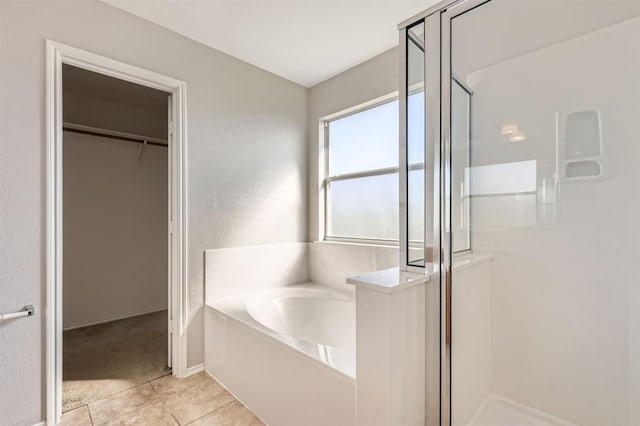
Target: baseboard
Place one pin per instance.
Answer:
(137, 314)
(40, 424)
(195, 369)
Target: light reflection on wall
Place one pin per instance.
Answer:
(504, 178)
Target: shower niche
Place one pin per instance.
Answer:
(582, 145)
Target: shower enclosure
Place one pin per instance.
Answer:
(520, 194)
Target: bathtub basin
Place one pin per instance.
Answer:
(288, 353)
(318, 316)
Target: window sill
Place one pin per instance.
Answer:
(355, 242)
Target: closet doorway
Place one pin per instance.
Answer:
(115, 215)
(116, 244)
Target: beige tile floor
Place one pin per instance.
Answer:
(195, 400)
(115, 374)
(105, 359)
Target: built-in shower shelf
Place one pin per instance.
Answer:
(583, 145)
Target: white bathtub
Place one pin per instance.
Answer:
(288, 353)
(312, 314)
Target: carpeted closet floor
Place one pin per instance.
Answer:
(105, 359)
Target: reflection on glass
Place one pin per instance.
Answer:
(415, 144)
(503, 194)
(460, 158)
(514, 178)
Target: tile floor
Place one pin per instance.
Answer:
(115, 374)
(105, 359)
(197, 400)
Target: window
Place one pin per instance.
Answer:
(361, 175)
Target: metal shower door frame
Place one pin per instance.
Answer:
(438, 75)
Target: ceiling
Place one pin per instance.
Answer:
(305, 41)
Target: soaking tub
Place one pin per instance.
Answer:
(288, 353)
(312, 314)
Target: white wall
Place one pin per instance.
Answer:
(332, 263)
(272, 265)
(277, 265)
(246, 148)
(564, 288)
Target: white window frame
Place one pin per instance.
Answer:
(325, 179)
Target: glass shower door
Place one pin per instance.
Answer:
(541, 145)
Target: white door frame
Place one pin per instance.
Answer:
(57, 54)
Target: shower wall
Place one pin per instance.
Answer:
(565, 303)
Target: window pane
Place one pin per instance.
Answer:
(364, 141)
(415, 127)
(415, 188)
(364, 208)
(415, 144)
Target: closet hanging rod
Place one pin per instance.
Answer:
(128, 137)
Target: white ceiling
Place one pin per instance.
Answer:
(305, 41)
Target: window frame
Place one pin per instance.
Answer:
(325, 180)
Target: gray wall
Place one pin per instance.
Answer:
(115, 207)
(370, 80)
(246, 146)
(114, 115)
(114, 230)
